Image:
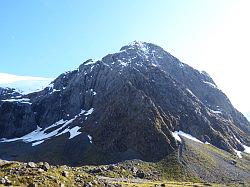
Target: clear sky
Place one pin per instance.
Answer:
(48, 37)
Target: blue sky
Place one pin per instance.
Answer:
(47, 37)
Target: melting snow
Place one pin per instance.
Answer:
(91, 68)
(90, 62)
(50, 86)
(216, 111)
(37, 143)
(140, 45)
(73, 132)
(210, 84)
(246, 148)
(94, 93)
(90, 138)
(181, 65)
(190, 92)
(123, 63)
(38, 136)
(90, 111)
(177, 135)
(52, 89)
(207, 143)
(22, 100)
(238, 153)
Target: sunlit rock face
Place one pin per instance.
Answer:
(127, 105)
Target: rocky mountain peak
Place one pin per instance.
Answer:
(136, 45)
(126, 105)
(138, 55)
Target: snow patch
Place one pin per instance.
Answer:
(123, 63)
(177, 135)
(90, 138)
(22, 100)
(74, 132)
(140, 45)
(37, 143)
(90, 111)
(181, 65)
(210, 84)
(94, 93)
(191, 92)
(90, 62)
(216, 111)
(238, 153)
(207, 143)
(141, 48)
(246, 148)
(50, 86)
(38, 136)
(52, 89)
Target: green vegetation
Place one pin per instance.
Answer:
(172, 169)
(188, 166)
(20, 174)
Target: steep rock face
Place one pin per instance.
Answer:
(129, 103)
(6, 93)
(16, 119)
(16, 115)
(132, 122)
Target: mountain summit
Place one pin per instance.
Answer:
(137, 103)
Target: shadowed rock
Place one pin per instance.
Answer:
(138, 97)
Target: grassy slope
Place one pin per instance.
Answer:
(215, 165)
(197, 163)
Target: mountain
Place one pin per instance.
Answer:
(23, 84)
(138, 103)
